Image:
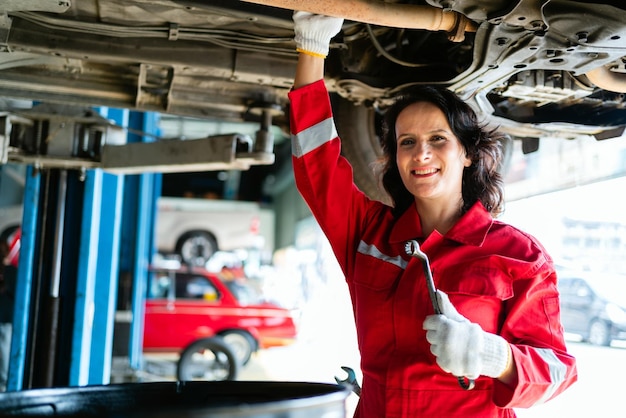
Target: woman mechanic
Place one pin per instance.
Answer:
(500, 322)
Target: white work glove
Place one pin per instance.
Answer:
(462, 347)
(314, 32)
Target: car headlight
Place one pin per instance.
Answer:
(616, 314)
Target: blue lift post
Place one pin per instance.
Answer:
(24, 281)
(97, 276)
(117, 214)
(125, 218)
(107, 273)
(141, 192)
(84, 310)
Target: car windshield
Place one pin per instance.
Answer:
(611, 287)
(245, 293)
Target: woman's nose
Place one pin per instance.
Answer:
(422, 152)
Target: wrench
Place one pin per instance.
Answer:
(413, 249)
(350, 381)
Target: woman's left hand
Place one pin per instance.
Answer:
(462, 347)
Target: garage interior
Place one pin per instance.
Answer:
(105, 220)
(73, 214)
(89, 203)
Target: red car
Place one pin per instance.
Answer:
(188, 305)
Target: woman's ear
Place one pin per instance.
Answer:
(467, 162)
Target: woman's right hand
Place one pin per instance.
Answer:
(313, 32)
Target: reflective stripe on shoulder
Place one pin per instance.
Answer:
(557, 369)
(313, 137)
(371, 250)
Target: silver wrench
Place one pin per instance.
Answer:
(350, 380)
(413, 249)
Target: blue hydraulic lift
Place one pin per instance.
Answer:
(114, 236)
(114, 206)
(90, 200)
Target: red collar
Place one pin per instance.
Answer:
(471, 229)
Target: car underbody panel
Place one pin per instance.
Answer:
(534, 67)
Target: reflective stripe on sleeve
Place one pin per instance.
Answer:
(313, 137)
(557, 369)
(371, 250)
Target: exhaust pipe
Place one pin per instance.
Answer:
(606, 79)
(412, 16)
(380, 13)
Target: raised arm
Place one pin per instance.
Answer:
(309, 70)
(312, 36)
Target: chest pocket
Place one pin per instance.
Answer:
(477, 292)
(374, 282)
(376, 271)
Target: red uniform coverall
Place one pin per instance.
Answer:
(495, 275)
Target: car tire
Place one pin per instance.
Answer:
(196, 248)
(599, 333)
(358, 127)
(209, 359)
(7, 234)
(242, 344)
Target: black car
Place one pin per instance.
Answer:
(594, 306)
(534, 68)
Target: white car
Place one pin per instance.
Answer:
(192, 229)
(195, 229)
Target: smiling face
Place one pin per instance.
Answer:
(430, 157)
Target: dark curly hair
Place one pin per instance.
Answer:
(481, 181)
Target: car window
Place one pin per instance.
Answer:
(195, 287)
(580, 288)
(565, 286)
(610, 287)
(160, 286)
(187, 286)
(607, 286)
(244, 293)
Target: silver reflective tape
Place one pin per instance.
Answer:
(371, 250)
(313, 137)
(557, 372)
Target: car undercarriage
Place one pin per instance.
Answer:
(535, 68)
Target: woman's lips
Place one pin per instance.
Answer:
(424, 171)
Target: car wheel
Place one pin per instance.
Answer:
(195, 248)
(600, 333)
(242, 344)
(358, 128)
(209, 359)
(7, 234)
